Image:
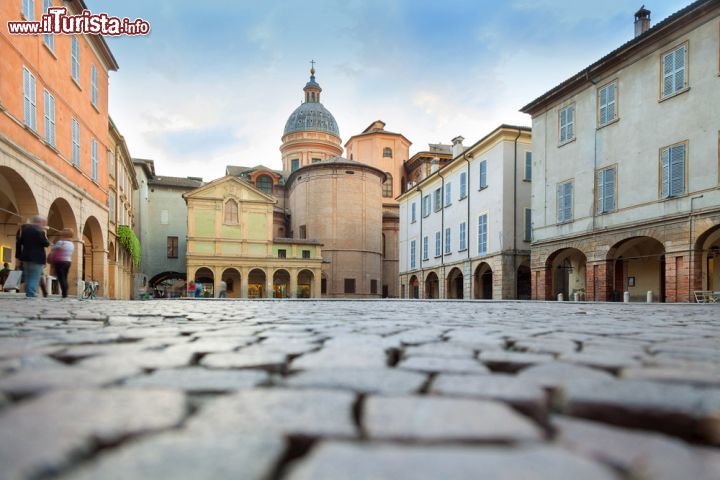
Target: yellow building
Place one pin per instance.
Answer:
(230, 240)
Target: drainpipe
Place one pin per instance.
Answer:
(467, 225)
(691, 266)
(594, 180)
(422, 216)
(442, 220)
(515, 212)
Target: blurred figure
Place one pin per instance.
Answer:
(4, 273)
(61, 258)
(223, 289)
(198, 289)
(30, 245)
(191, 288)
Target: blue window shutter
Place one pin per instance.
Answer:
(609, 190)
(560, 205)
(601, 191)
(665, 167)
(677, 170)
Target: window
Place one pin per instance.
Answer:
(282, 253)
(413, 254)
(49, 39)
(94, 159)
(111, 206)
(387, 187)
(674, 76)
(111, 163)
(483, 174)
(164, 217)
(673, 170)
(607, 103)
(373, 286)
(231, 212)
(294, 164)
(564, 202)
(567, 124)
(28, 9)
(448, 194)
(75, 143)
(463, 185)
(172, 247)
(323, 286)
(75, 59)
(425, 248)
(482, 234)
(306, 254)
(413, 212)
(49, 109)
(438, 248)
(94, 85)
(448, 243)
(426, 205)
(437, 199)
(349, 285)
(528, 224)
(528, 166)
(463, 234)
(29, 104)
(264, 184)
(387, 152)
(606, 190)
(303, 231)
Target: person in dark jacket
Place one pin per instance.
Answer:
(30, 245)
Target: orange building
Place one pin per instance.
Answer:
(54, 136)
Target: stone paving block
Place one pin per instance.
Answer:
(31, 382)
(556, 376)
(708, 376)
(197, 379)
(184, 456)
(639, 453)
(335, 460)
(362, 380)
(681, 410)
(512, 361)
(298, 412)
(142, 359)
(339, 357)
(612, 362)
(526, 396)
(439, 350)
(45, 434)
(443, 365)
(413, 418)
(246, 358)
(211, 345)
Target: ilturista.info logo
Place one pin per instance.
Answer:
(57, 21)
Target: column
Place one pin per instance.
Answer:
(99, 272)
(677, 279)
(217, 278)
(317, 283)
(269, 284)
(244, 272)
(293, 283)
(599, 281)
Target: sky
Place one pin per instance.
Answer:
(215, 81)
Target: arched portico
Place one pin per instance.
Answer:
(256, 283)
(94, 254)
(455, 284)
(281, 284)
(414, 287)
(432, 286)
(206, 278)
(524, 282)
(233, 281)
(638, 266)
(305, 284)
(17, 204)
(483, 282)
(707, 255)
(568, 267)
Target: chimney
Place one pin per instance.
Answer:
(457, 146)
(642, 21)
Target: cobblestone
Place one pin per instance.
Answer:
(288, 390)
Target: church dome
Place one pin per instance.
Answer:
(311, 116)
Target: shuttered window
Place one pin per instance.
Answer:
(463, 185)
(75, 59)
(413, 254)
(425, 248)
(564, 202)
(567, 124)
(111, 206)
(426, 206)
(75, 143)
(28, 9)
(438, 248)
(606, 180)
(49, 112)
(448, 240)
(528, 225)
(94, 85)
(29, 103)
(437, 199)
(413, 212)
(482, 234)
(673, 170)
(528, 165)
(448, 194)
(607, 104)
(94, 159)
(483, 174)
(674, 71)
(48, 38)
(463, 235)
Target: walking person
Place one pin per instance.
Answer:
(30, 245)
(223, 289)
(61, 258)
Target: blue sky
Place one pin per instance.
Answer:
(215, 81)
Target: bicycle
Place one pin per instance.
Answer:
(90, 291)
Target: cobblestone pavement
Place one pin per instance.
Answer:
(338, 390)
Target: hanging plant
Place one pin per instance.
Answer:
(129, 241)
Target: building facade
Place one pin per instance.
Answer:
(54, 137)
(231, 239)
(626, 193)
(465, 228)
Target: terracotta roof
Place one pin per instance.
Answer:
(605, 62)
(182, 182)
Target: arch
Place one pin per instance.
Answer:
(230, 212)
(638, 266)
(414, 287)
(256, 283)
(264, 183)
(524, 282)
(93, 264)
(568, 267)
(233, 282)
(483, 282)
(432, 285)
(387, 152)
(281, 283)
(707, 259)
(112, 270)
(455, 282)
(18, 205)
(206, 278)
(305, 281)
(60, 215)
(167, 284)
(387, 186)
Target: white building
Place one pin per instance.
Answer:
(465, 228)
(626, 193)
